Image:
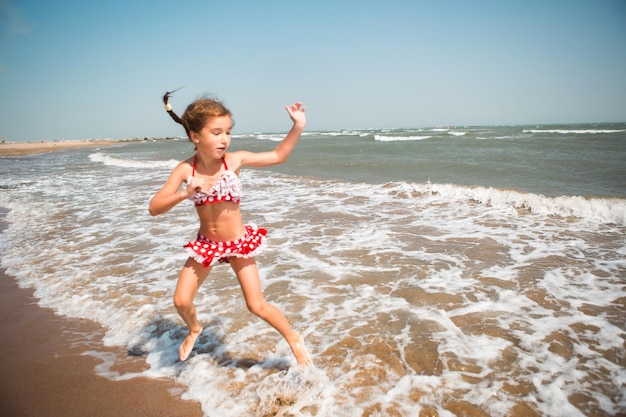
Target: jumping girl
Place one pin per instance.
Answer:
(212, 179)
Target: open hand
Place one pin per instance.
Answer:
(296, 113)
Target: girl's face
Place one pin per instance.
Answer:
(214, 138)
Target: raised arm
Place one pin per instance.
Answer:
(284, 148)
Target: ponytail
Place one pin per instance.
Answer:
(170, 111)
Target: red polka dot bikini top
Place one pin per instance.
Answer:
(226, 188)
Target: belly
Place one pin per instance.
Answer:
(220, 222)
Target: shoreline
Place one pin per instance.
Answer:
(44, 372)
(29, 148)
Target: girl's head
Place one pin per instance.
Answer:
(197, 113)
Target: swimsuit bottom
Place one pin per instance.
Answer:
(209, 253)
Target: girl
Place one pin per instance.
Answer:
(212, 178)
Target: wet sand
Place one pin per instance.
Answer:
(43, 374)
(27, 148)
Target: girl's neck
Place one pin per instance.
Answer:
(208, 165)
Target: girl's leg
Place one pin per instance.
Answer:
(190, 279)
(248, 276)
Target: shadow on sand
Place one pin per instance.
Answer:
(209, 343)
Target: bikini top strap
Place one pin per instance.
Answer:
(193, 172)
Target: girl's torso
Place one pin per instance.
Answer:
(218, 206)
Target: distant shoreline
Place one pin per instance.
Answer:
(28, 148)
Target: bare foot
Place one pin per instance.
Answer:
(299, 350)
(187, 346)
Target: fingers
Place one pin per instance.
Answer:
(297, 106)
(195, 184)
(296, 114)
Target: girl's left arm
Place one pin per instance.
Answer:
(284, 148)
(169, 195)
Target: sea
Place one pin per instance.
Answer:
(448, 271)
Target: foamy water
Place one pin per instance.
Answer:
(413, 297)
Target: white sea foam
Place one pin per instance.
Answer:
(602, 210)
(129, 163)
(344, 133)
(383, 138)
(575, 131)
(273, 138)
(244, 135)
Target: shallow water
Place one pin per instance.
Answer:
(415, 298)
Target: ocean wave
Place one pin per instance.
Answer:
(601, 210)
(131, 163)
(273, 138)
(244, 135)
(382, 138)
(575, 131)
(344, 133)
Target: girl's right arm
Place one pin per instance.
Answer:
(170, 194)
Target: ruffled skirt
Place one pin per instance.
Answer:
(209, 253)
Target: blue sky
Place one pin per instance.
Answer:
(78, 69)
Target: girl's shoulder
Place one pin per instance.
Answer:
(188, 161)
(234, 160)
(184, 168)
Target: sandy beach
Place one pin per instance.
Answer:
(26, 148)
(43, 374)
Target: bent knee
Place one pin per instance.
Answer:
(257, 307)
(182, 302)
